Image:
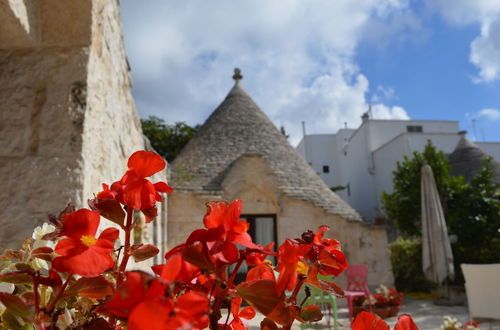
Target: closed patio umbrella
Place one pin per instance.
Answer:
(437, 257)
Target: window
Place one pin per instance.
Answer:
(263, 231)
(262, 228)
(414, 129)
(326, 169)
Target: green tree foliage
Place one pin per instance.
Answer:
(474, 217)
(167, 140)
(406, 258)
(403, 205)
(472, 212)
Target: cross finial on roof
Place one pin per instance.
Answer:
(237, 75)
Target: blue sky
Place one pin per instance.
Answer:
(319, 61)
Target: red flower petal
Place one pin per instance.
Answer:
(232, 216)
(128, 295)
(109, 234)
(242, 239)
(163, 187)
(79, 223)
(106, 193)
(226, 252)
(366, 320)
(139, 194)
(69, 246)
(215, 215)
(405, 322)
(247, 313)
(146, 163)
(88, 263)
(150, 315)
(260, 272)
(172, 268)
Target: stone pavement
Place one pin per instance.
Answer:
(427, 316)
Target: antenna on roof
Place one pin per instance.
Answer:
(474, 128)
(237, 75)
(370, 110)
(304, 128)
(345, 124)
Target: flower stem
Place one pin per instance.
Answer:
(53, 304)
(235, 271)
(37, 299)
(126, 252)
(298, 286)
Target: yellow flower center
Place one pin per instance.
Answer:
(88, 240)
(302, 268)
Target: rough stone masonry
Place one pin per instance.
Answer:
(68, 121)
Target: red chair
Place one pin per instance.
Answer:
(357, 278)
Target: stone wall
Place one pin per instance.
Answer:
(68, 121)
(250, 179)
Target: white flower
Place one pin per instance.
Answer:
(7, 287)
(38, 264)
(450, 323)
(40, 232)
(65, 320)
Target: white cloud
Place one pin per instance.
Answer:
(381, 111)
(485, 52)
(490, 114)
(382, 94)
(297, 59)
(485, 48)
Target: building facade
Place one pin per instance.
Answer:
(68, 119)
(238, 153)
(359, 163)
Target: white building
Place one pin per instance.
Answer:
(362, 160)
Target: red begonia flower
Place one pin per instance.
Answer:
(177, 269)
(224, 230)
(255, 256)
(405, 322)
(129, 294)
(261, 271)
(157, 312)
(326, 258)
(224, 215)
(246, 313)
(81, 252)
(366, 320)
(134, 190)
(289, 255)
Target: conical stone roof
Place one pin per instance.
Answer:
(467, 160)
(238, 127)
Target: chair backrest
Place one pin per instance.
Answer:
(357, 278)
(482, 284)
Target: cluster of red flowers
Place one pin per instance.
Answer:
(365, 321)
(192, 287)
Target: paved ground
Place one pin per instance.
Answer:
(426, 315)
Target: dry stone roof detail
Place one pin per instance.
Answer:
(237, 128)
(467, 160)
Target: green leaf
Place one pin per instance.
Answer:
(15, 305)
(311, 313)
(111, 210)
(145, 252)
(16, 278)
(197, 255)
(260, 295)
(44, 252)
(22, 266)
(12, 254)
(90, 287)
